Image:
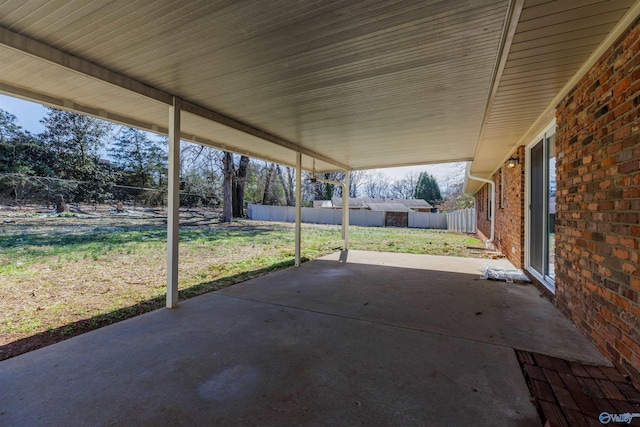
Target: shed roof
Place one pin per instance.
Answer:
(412, 203)
(355, 202)
(388, 207)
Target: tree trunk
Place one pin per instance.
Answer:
(238, 187)
(328, 188)
(235, 211)
(267, 184)
(286, 186)
(227, 196)
(60, 204)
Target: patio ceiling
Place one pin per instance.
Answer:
(357, 84)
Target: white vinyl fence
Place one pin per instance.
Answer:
(363, 218)
(427, 220)
(463, 221)
(315, 215)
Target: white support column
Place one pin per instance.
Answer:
(298, 206)
(345, 211)
(173, 208)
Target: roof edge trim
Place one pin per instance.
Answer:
(400, 165)
(508, 33)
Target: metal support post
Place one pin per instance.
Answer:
(173, 208)
(345, 211)
(298, 206)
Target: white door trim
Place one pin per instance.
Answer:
(547, 281)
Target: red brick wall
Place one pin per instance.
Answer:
(396, 219)
(598, 203)
(483, 224)
(509, 228)
(510, 217)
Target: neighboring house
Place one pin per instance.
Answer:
(395, 214)
(354, 203)
(388, 207)
(322, 204)
(417, 205)
(396, 211)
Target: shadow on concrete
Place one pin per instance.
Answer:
(383, 339)
(443, 295)
(73, 329)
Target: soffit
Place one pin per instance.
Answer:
(367, 84)
(370, 83)
(553, 39)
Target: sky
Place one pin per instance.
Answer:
(29, 115)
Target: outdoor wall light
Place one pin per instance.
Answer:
(513, 162)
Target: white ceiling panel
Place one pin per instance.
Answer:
(355, 84)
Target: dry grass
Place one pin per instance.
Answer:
(61, 275)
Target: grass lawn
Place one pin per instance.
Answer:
(64, 275)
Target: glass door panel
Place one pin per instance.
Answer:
(542, 209)
(551, 206)
(536, 208)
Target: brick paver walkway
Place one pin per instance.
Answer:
(572, 394)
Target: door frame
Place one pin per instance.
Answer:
(547, 281)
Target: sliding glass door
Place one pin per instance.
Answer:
(551, 206)
(542, 209)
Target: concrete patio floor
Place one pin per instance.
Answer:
(350, 339)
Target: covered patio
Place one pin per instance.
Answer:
(323, 86)
(357, 338)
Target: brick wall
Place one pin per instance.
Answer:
(396, 219)
(509, 217)
(598, 203)
(483, 225)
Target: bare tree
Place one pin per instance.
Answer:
(451, 179)
(405, 188)
(239, 183)
(227, 187)
(356, 179)
(453, 188)
(288, 184)
(317, 190)
(376, 185)
(201, 170)
(267, 182)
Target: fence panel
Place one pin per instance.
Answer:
(366, 218)
(427, 220)
(288, 214)
(309, 215)
(334, 216)
(315, 215)
(463, 221)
